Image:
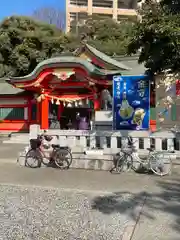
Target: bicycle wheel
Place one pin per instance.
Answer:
(33, 158)
(160, 164)
(124, 163)
(63, 158)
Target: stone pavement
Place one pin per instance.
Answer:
(10, 152)
(76, 204)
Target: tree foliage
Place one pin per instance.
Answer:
(157, 38)
(24, 43)
(105, 34)
(50, 15)
(157, 35)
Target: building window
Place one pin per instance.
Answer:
(127, 4)
(79, 2)
(12, 113)
(102, 4)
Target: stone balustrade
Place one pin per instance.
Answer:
(108, 144)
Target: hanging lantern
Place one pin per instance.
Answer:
(64, 104)
(76, 104)
(80, 103)
(39, 99)
(69, 105)
(57, 102)
(52, 100)
(87, 101)
(43, 96)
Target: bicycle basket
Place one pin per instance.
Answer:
(35, 143)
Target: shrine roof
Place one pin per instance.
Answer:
(132, 62)
(7, 89)
(106, 58)
(64, 62)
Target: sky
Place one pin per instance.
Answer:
(27, 7)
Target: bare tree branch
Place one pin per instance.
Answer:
(50, 15)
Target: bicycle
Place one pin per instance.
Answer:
(153, 162)
(61, 156)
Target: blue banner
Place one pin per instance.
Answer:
(131, 102)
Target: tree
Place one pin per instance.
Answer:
(157, 38)
(25, 42)
(105, 34)
(50, 15)
(174, 6)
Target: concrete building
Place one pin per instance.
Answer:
(78, 10)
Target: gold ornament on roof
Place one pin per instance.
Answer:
(63, 75)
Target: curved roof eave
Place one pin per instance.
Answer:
(107, 59)
(62, 62)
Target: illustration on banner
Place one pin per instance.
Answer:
(131, 102)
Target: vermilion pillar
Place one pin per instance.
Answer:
(45, 114)
(96, 104)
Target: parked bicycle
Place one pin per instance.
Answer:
(158, 162)
(61, 156)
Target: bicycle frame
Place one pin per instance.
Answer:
(42, 151)
(43, 154)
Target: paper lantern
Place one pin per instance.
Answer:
(80, 103)
(39, 99)
(57, 102)
(43, 96)
(52, 100)
(69, 105)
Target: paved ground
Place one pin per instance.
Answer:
(10, 151)
(75, 204)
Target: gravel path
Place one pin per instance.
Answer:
(45, 213)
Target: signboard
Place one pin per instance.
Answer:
(131, 102)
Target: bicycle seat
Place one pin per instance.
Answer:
(64, 147)
(58, 146)
(55, 146)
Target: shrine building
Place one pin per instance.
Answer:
(58, 89)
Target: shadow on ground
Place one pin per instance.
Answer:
(166, 201)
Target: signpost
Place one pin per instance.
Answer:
(131, 102)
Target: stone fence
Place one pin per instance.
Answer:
(84, 144)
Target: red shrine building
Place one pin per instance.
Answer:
(60, 87)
